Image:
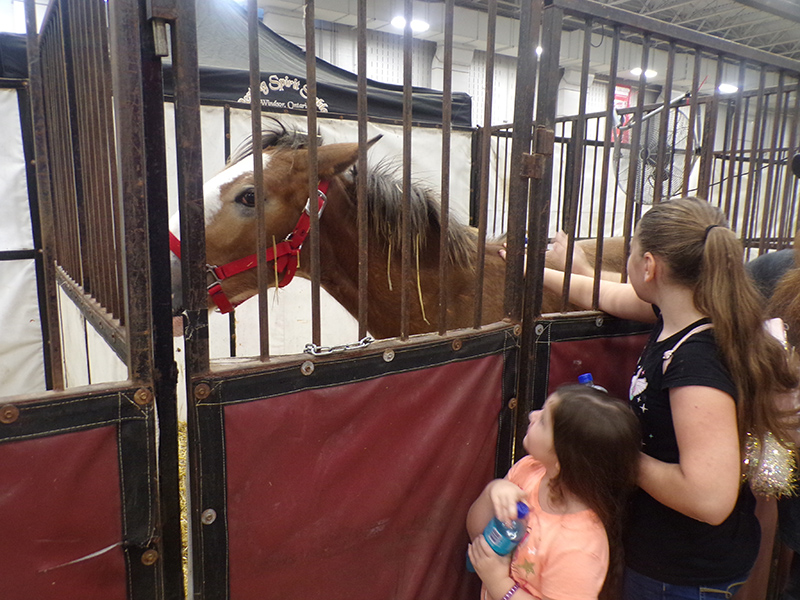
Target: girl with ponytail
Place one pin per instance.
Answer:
(691, 530)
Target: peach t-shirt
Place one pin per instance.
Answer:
(562, 557)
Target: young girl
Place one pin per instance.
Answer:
(691, 530)
(583, 452)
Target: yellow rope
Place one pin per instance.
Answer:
(389, 266)
(275, 261)
(419, 283)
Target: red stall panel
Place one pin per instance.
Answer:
(62, 527)
(361, 490)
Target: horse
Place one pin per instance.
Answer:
(231, 237)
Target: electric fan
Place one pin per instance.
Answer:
(645, 163)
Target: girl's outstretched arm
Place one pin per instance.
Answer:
(618, 299)
(704, 485)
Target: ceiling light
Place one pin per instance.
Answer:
(727, 88)
(417, 26)
(648, 74)
(539, 50)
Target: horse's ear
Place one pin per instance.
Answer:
(332, 159)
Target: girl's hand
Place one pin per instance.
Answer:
(504, 496)
(490, 566)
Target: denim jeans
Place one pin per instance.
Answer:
(639, 587)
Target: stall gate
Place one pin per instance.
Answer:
(90, 480)
(327, 476)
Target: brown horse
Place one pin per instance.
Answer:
(231, 234)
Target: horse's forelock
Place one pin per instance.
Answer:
(276, 136)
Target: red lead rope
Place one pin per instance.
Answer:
(284, 254)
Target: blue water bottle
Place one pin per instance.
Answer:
(504, 539)
(587, 379)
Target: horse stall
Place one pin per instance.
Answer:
(361, 454)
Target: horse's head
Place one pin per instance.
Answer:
(231, 213)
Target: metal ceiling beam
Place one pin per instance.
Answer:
(590, 8)
(743, 25)
(670, 6)
(782, 8)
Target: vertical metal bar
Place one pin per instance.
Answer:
(754, 162)
(165, 376)
(610, 119)
(524, 96)
(52, 343)
(106, 113)
(575, 173)
(361, 175)
(593, 190)
(693, 114)
(635, 191)
(740, 163)
(226, 148)
(405, 229)
(539, 205)
(313, 178)
(768, 209)
(126, 52)
(777, 208)
(709, 137)
(786, 231)
(663, 127)
(190, 196)
(263, 275)
(447, 111)
(737, 116)
(486, 147)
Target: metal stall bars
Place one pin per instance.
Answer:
(749, 179)
(92, 506)
(284, 448)
(730, 148)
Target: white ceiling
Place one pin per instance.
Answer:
(769, 25)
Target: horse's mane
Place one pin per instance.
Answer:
(384, 206)
(384, 198)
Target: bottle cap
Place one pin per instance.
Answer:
(522, 510)
(585, 379)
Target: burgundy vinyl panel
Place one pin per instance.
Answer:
(60, 501)
(361, 490)
(610, 360)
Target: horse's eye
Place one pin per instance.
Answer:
(247, 198)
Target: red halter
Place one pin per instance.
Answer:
(284, 254)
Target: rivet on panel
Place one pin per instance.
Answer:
(598, 322)
(143, 397)
(8, 413)
(149, 557)
(457, 345)
(512, 404)
(539, 329)
(388, 355)
(202, 391)
(307, 368)
(208, 517)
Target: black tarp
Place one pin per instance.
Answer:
(13, 56)
(222, 48)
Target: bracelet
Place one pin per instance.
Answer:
(511, 592)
